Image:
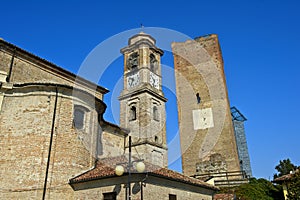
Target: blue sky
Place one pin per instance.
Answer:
(259, 39)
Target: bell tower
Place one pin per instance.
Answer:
(142, 102)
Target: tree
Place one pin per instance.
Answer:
(284, 167)
(294, 187)
(258, 189)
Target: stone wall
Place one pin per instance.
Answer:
(148, 134)
(24, 67)
(204, 115)
(144, 100)
(26, 124)
(27, 106)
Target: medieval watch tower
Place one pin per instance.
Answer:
(142, 102)
(207, 137)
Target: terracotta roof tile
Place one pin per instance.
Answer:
(104, 168)
(223, 197)
(283, 178)
(167, 173)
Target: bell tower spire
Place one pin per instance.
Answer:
(142, 102)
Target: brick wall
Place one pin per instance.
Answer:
(25, 124)
(199, 69)
(26, 112)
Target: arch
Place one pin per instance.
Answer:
(79, 116)
(156, 139)
(132, 113)
(155, 113)
(153, 63)
(133, 61)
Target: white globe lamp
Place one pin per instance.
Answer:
(119, 170)
(140, 167)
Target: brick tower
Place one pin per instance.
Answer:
(142, 102)
(207, 138)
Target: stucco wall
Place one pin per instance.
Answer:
(154, 188)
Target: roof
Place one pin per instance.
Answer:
(224, 196)
(30, 56)
(105, 125)
(104, 169)
(283, 178)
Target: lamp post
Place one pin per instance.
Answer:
(119, 170)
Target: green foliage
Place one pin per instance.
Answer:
(262, 189)
(294, 187)
(284, 167)
(258, 189)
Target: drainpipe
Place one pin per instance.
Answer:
(50, 145)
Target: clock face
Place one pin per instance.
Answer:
(154, 80)
(133, 80)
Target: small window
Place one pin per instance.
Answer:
(156, 139)
(110, 196)
(132, 115)
(155, 113)
(198, 98)
(172, 197)
(78, 118)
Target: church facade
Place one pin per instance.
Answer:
(55, 143)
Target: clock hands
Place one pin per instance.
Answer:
(130, 81)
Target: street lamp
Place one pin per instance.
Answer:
(140, 166)
(119, 170)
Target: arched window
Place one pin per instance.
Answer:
(153, 63)
(133, 61)
(156, 139)
(132, 114)
(78, 118)
(155, 113)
